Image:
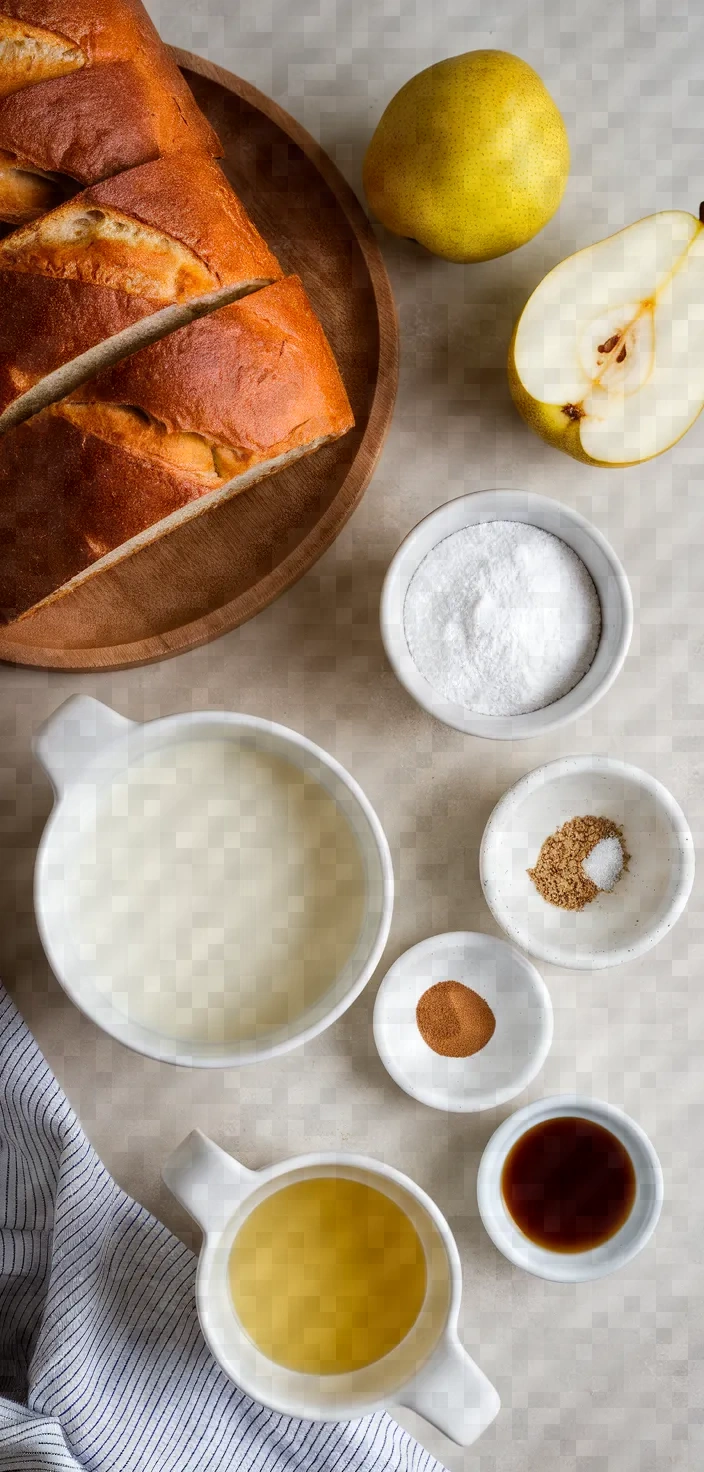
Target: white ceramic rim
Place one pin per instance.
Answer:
(489, 1187)
(649, 936)
(490, 1098)
(367, 1163)
(498, 728)
(180, 1056)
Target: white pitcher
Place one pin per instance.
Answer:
(85, 748)
(429, 1371)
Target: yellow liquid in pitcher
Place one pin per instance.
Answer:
(327, 1275)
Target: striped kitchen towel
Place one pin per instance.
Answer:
(102, 1362)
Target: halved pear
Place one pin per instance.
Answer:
(607, 358)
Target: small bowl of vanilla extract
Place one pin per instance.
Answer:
(569, 1188)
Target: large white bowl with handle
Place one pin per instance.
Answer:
(429, 1371)
(85, 747)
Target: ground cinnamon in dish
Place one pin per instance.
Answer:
(454, 1020)
(559, 875)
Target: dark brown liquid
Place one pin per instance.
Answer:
(569, 1184)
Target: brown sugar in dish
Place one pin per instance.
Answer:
(454, 1020)
(558, 874)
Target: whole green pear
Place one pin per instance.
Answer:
(470, 158)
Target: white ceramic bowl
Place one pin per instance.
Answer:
(511, 986)
(570, 1267)
(429, 1371)
(598, 557)
(644, 903)
(84, 747)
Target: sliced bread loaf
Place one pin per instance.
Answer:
(177, 428)
(87, 89)
(169, 232)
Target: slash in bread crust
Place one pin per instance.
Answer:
(182, 425)
(169, 231)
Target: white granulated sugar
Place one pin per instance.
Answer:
(604, 865)
(502, 618)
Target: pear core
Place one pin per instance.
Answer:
(607, 359)
(470, 158)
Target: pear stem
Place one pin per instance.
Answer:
(701, 213)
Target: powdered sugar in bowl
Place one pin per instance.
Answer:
(506, 614)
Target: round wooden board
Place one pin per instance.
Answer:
(221, 569)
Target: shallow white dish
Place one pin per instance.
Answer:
(570, 1267)
(84, 747)
(510, 985)
(598, 557)
(644, 903)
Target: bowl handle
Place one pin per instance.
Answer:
(452, 1393)
(207, 1181)
(73, 736)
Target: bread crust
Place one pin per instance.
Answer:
(184, 198)
(187, 196)
(260, 377)
(102, 28)
(46, 322)
(30, 54)
(128, 104)
(65, 498)
(256, 375)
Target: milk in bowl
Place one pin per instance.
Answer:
(219, 892)
(212, 890)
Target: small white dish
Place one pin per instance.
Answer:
(85, 747)
(510, 985)
(645, 902)
(570, 1267)
(598, 557)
